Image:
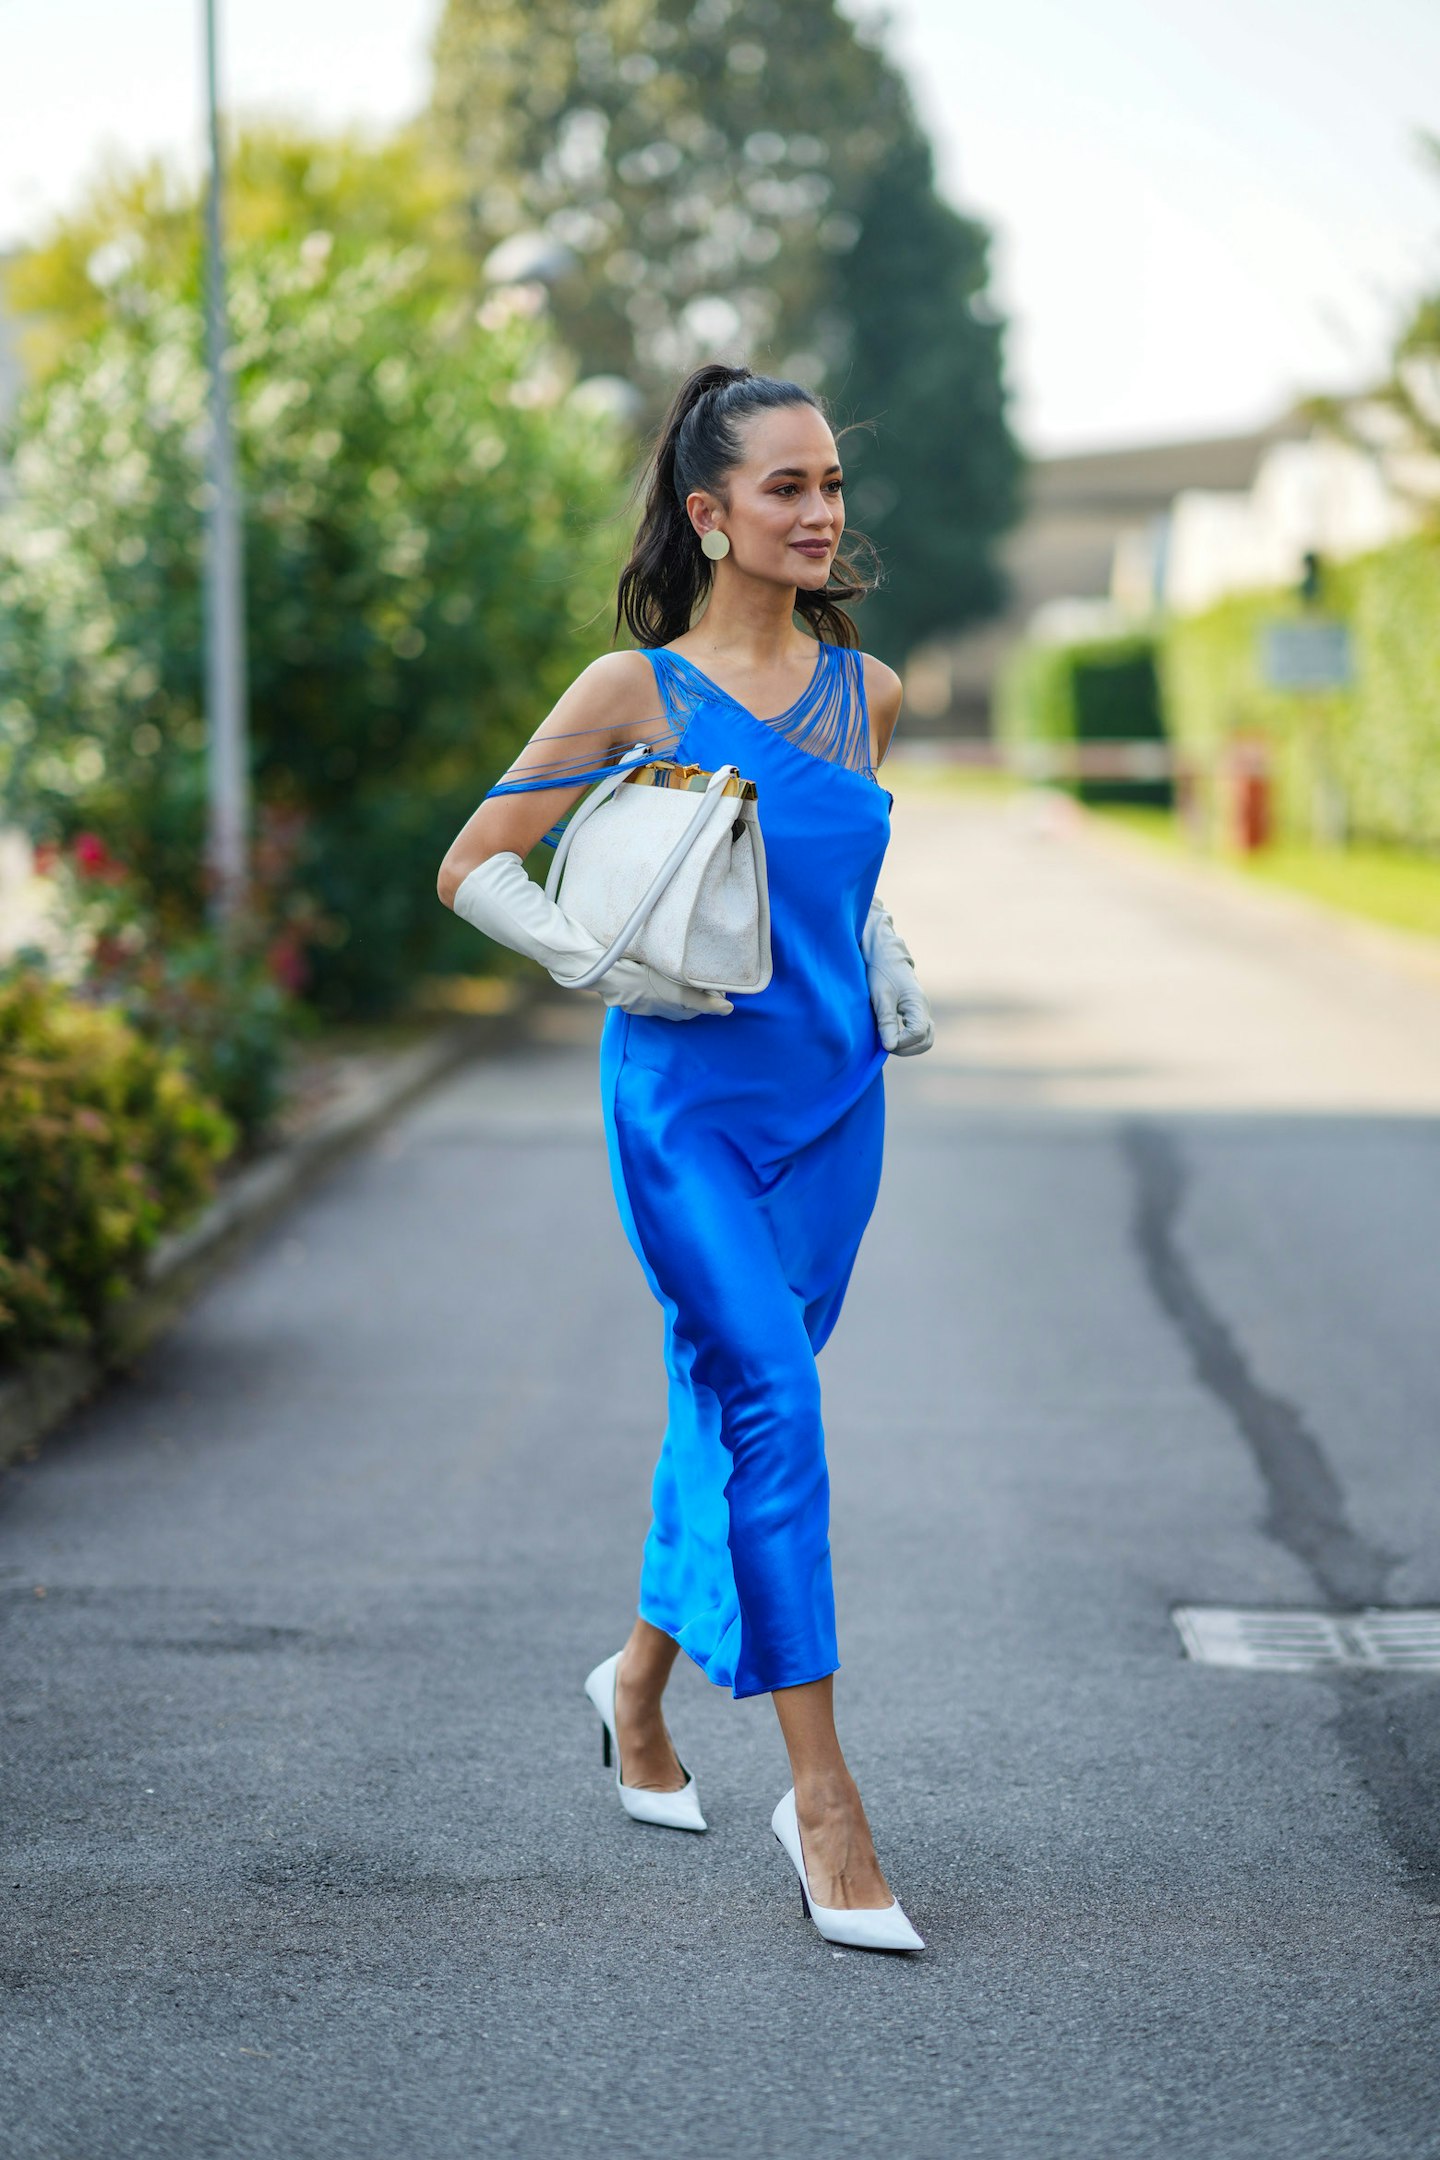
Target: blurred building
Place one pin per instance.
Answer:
(1111, 538)
(1323, 496)
(1085, 515)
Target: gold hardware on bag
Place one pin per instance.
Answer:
(665, 772)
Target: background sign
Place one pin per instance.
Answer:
(1306, 656)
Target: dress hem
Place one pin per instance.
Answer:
(749, 1693)
(740, 1694)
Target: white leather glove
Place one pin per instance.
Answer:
(900, 1006)
(501, 899)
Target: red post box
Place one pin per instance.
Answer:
(1251, 794)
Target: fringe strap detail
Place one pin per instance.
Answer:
(830, 719)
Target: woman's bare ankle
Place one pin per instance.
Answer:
(638, 1698)
(643, 1677)
(825, 1794)
(647, 1753)
(839, 1851)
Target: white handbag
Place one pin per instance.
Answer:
(666, 864)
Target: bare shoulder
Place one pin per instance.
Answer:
(615, 693)
(620, 682)
(883, 694)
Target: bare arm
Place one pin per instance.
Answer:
(883, 693)
(607, 707)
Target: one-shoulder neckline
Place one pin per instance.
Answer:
(775, 726)
(814, 757)
(729, 696)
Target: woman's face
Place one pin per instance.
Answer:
(784, 509)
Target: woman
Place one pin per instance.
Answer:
(745, 1134)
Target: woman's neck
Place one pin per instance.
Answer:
(749, 623)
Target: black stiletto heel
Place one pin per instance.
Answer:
(804, 1901)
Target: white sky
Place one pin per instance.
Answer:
(1201, 207)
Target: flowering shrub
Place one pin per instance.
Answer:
(227, 1006)
(105, 1143)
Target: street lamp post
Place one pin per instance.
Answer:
(225, 697)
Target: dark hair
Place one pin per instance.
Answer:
(696, 446)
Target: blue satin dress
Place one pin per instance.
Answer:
(745, 1151)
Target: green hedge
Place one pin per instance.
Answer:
(105, 1144)
(430, 539)
(1101, 690)
(1376, 745)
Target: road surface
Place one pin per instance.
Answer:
(307, 1845)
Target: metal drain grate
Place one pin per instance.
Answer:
(1270, 1639)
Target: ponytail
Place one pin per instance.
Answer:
(696, 446)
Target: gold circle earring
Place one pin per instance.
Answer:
(715, 544)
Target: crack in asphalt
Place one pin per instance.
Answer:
(1305, 1501)
(1305, 1511)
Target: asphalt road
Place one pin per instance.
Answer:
(307, 1848)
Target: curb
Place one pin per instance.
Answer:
(51, 1385)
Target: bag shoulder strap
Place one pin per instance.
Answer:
(637, 754)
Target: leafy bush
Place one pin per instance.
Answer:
(427, 560)
(1101, 690)
(105, 1144)
(226, 1019)
(226, 1005)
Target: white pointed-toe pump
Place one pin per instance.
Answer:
(672, 1810)
(863, 1927)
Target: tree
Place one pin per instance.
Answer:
(140, 220)
(748, 178)
(934, 477)
(1412, 389)
(1398, 418)
(428, 552)
(690, 168)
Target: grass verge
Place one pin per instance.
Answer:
(1381, 885)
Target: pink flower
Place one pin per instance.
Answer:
(91, 854)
